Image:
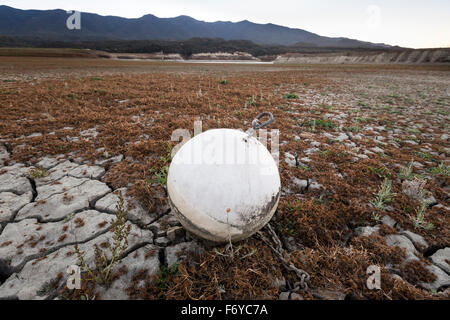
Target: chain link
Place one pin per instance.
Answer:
(257, 125)
(280, 252)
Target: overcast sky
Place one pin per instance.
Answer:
(413, 23)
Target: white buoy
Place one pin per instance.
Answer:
(223, 185)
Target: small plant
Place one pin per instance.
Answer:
(440, 170)
(363, 105)
(413, 130)
(320, 123)
(333, 141)
(416, 140)
(37, 173)
(166, 159)
(161, 174)
(381, 172)
(312, 125)
(433, 291)
(383, 155)
(376, 217)
(224, 81)
(384, 195)
(165, 275)
(103, 266)
(290, 96)
(324, 200)
(304, 167)
(73, 96)
(294, 205)
(407, 172)
(86, 297)
(353, 129)
(360, 119)
(9, 92)
(415, 189)
(424, 155)
(250, 101)
(323, 152)
(419, 220)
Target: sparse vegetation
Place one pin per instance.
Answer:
(363, 105)
(381, 172)
(37, 173)
(320, 123)
(415, 189)
(419, 219)
(160, 176)
(353, 129)
(166, 274)
(407, 172)
(384, 195)
(376, 216)
(290, 96)
(361, 119)
(440, 170)
(416, 140)
(250, 101)
(303, 167)
(105, 263)
(316, 225)
(425, 155)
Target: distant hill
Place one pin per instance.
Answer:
(51, 25)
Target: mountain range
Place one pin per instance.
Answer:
(51, 25)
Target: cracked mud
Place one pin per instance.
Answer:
(70, 143)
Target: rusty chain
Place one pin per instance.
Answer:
(257, 125)
(280, 252)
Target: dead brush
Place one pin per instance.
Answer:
(317, 226)
(103, 265)
(415, 189)
(248, 276)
